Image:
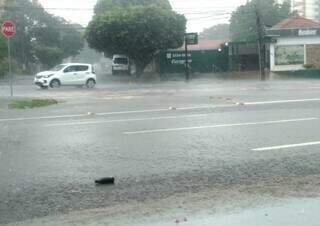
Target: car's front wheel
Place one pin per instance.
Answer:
(90, 83)
(55, 83)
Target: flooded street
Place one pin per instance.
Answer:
(189, 149)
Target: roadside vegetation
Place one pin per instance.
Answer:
(33, 103)
(138, 29)
(243, 22)
(42, 39)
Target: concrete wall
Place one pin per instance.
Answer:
(310, 40)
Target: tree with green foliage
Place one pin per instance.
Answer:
(3, 47)
(103, 6)
(243, 26)
(219, 31)
(139, 31)
(48, 56)
(40, 35)
(3, 55)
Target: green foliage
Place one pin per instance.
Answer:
(37, 28)
(23, 104)
(103, 6)
(3, 47)
(139, 32)
(48, 56)
(243, 21)
(4, 67)
(3, 55)
(219, 31)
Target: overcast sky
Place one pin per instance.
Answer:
(200, 13)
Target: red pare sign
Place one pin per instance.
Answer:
(8, 29)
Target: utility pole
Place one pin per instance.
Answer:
(186, 58)
(261, 45)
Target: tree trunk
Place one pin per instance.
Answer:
(140, 66)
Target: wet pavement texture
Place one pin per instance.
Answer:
(159, 142)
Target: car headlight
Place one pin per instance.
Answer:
(47, 76)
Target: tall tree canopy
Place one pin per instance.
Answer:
(40, 34)
(107, 5)
(243, 21)
(138, 30)
(219, 31)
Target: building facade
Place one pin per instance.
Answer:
(295, 45)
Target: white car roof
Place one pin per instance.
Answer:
(71, 64)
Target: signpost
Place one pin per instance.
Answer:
(8, 29)
(189, 39)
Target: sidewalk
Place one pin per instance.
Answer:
(293, 212)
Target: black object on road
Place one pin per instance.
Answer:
(105, 180)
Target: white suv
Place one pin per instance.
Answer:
(67, 74)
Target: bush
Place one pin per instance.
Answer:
(23, 104)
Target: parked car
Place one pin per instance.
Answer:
(121, 64)
(67, 74)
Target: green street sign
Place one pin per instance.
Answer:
(192, 38)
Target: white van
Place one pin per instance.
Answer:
(121, 64)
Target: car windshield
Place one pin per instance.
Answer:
(58, 67)
(120, 61)
(160, 112)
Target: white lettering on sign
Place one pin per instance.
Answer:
(8, 29)
(307, 32)
(180, 61)
(176, 55)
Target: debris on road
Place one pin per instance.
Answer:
(181, 220)
(105, 180)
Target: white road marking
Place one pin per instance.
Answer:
(158, 110)
(281, 101)
(42, 117)
(124, 120)
(218, 126)
(164, 109)
(287, 146)
(112, 113)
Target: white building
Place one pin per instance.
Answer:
(295, 44)
(306, 8)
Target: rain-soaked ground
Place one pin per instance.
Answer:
(176, 150)
(293, 212)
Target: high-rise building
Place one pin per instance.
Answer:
(306, 8)
(1, 6)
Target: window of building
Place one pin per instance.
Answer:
(289, 55)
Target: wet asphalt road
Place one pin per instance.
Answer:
(159, 140)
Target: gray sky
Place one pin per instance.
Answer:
(200, 13)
